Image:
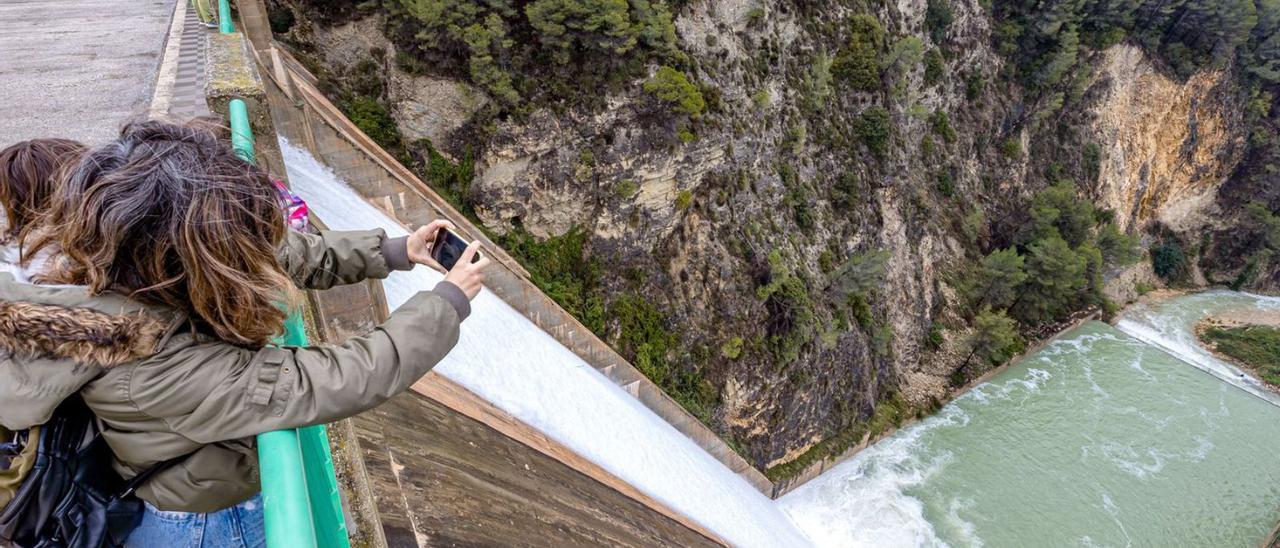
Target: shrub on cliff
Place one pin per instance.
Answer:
(368, 114)
(1170, 262)
(934, 67)
(1056, 279)
(994, 339)
(674, 89)
(937, 18)
(874, 128)
(858, 64)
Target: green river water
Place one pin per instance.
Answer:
(1098, 439)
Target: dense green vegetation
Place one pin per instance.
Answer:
(673, 88)
(858, 64)
(542, 50)
(559, 267)
(647, 341)
(1053, 269)
(1256, 346)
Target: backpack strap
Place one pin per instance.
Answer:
(137, 481)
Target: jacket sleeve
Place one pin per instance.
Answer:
(332, 258)
(235, 392)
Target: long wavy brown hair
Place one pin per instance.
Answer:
(29, 175)
(169, 215)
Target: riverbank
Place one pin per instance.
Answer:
(1248, 339)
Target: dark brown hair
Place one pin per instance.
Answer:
(169, 215)
(29, 174)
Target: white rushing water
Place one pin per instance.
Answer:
(1172, 329)
(513, 364)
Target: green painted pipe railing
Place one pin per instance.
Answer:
(301, 502)
(225, 25)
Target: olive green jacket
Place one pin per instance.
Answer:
(163, 389)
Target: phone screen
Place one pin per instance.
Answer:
(448, 249)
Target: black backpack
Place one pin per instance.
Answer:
(72, 497)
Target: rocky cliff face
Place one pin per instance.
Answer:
(733, 233)
(1168, 145)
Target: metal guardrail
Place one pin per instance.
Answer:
(301, 502)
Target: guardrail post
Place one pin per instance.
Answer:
(225, 24)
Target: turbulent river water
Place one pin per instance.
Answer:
(1098, 439)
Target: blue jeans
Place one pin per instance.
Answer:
(237, 526)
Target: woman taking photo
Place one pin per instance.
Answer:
(172, 258)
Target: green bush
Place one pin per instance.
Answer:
(858, 63)
(945, 183)
(372, 117)
(874, 128)
(927, 148)
(761, 99)
(934, 67)
(626, 188)
(935, 338)
(649, 343)
(1170, 262)
(937, 17)
(941, 125)
(732, 348)
(673, 88)
(791, 322)
(450, 179)
(560, 268)
(1011, 148)
(1092, 162)
(845, 191)
(1118, 248)
(684, 199)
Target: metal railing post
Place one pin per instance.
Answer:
(225, 25)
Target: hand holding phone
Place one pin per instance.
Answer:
(448, 247)
(468, 272)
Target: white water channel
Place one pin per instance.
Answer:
(513, 364)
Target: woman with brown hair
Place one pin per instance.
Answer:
(29, 174)
(172, 257)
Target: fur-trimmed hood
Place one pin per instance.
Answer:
(82, 335)
(67, 323)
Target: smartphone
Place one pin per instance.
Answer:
(448, 248)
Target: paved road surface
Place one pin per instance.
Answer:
(77, 68)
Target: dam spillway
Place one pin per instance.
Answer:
(504, 358)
